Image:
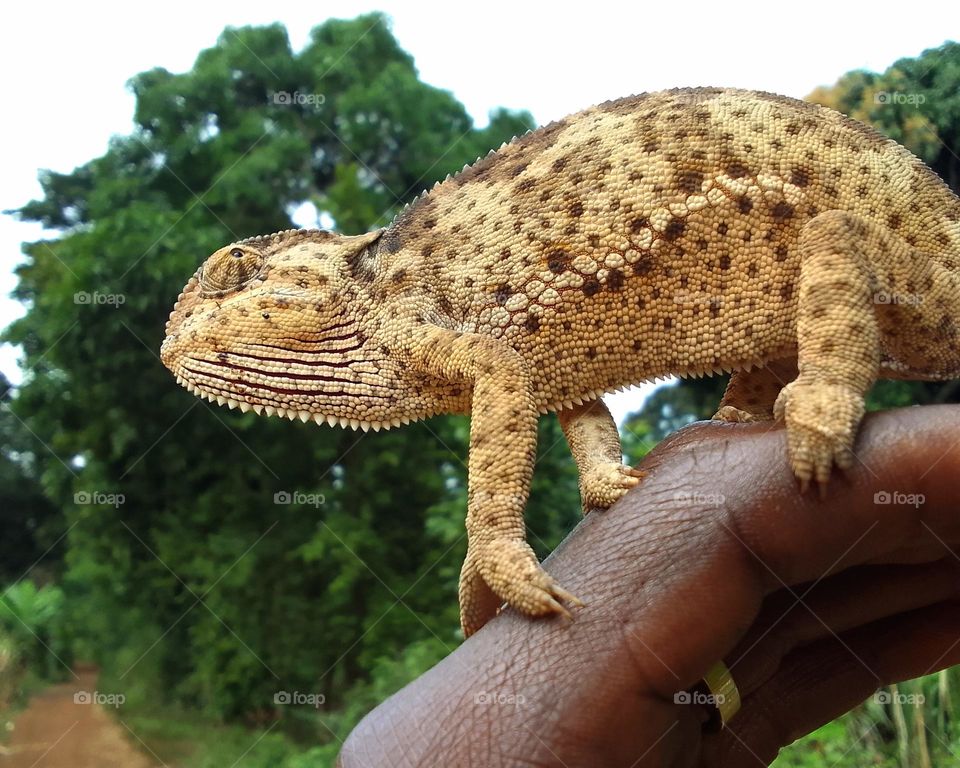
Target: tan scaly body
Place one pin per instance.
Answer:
(683, 232)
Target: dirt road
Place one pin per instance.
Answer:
(55, 731)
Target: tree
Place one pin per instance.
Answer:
(184, 569)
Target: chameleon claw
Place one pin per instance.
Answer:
(567, 597)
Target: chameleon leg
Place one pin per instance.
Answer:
(751, 394)
(595, 443)
(503, 445)
(850, 268)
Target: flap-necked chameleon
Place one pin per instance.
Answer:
(684, 232)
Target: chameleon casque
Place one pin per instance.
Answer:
(684, 232)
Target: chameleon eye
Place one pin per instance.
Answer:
(228, 271)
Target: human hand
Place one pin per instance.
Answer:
(812, 604)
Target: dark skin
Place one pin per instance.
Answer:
(814, 605)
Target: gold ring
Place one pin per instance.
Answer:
(724, 692)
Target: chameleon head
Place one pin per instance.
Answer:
(274, 323)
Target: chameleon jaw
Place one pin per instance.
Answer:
(289, 413)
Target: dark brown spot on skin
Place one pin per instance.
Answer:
(674, 229)
(559, 164)
(782, 211)
(590, 287)
(615, 280)
(725, 261)
(690, 181)
(651, 146)
(525, 186)
(780, 253)
(894, 221)
(558, 261)
(639, 223)
(668, 323)
(786, 291)
(504, 254)
(722, 228)
(744, 205)
(643, 266)
(429, 223)
(502, 293)
(391, 241)
(799, 177)
(398, 276)
(576, 209)
(737, 170)
(532, 323)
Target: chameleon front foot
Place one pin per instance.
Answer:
(821, 424)
(507, 570)
(734, 415)
(603, 483)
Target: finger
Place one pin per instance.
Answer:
(819, 682)
(900, 497)
(717, 525)
(794, 618)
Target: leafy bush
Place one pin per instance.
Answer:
(33, 619)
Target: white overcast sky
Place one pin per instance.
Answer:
(63, 66)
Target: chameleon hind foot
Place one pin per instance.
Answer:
(507, 570)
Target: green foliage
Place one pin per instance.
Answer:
(180, 572)
(185, 579)
(10, 670)
(32, 619)
(912, 724)
(28, 519)
(916, 102)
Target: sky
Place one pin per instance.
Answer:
(64, 67)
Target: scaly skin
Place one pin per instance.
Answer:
(685, 232)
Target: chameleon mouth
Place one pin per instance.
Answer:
(289, 413)
(309, 390)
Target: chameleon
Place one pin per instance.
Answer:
(686, 232)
